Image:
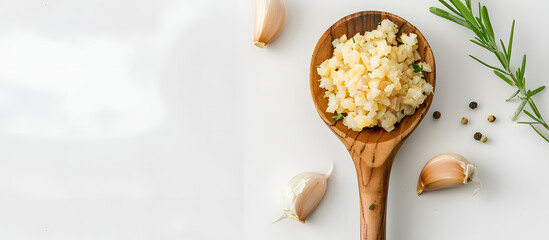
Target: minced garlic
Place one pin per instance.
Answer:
(371, 78)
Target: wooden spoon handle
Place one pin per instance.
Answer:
(373, 168)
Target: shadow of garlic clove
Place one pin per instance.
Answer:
(270, 17)
(303, 193)
(445, 171)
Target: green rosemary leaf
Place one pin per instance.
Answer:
(481, 41)
(466, 13)
(521, 76)
(479, 12)
(450, 7)
(504, 49)
(441, 13)
(506, 79)
(483, 33)
(512, 96)
(485, 64)
(535, 91)
(478, 33)
(479, 21)
(468, 3)
(353, 39)
(519, 81)
(486, 20)
(371, 207)
(519, 109)
(531, 116)
(535, 109)
(338, 117)
(481, 44)
(510, 42)
(417, 68)
(539, 133)
(502, 59)
(529, 123)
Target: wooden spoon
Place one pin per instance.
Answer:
(373, 149)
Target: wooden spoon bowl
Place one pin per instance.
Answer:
(372, 149)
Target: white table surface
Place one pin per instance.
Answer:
(160, 120)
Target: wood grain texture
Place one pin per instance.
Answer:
(373, 149)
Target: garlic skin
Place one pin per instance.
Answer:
(445, 171)
(270, 17)
(303, 193)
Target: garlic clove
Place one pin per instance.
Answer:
(270, 17)
(303, 193)
(445, 171)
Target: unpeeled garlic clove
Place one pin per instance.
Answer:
(303, 193)
(270, 17)
(445, 171)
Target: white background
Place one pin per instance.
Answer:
(160, 120)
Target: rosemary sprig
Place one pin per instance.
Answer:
(417, 68)
(462, 14)
(338, 117)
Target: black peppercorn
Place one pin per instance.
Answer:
(477, 136)
(473, 105)
(436, 115)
